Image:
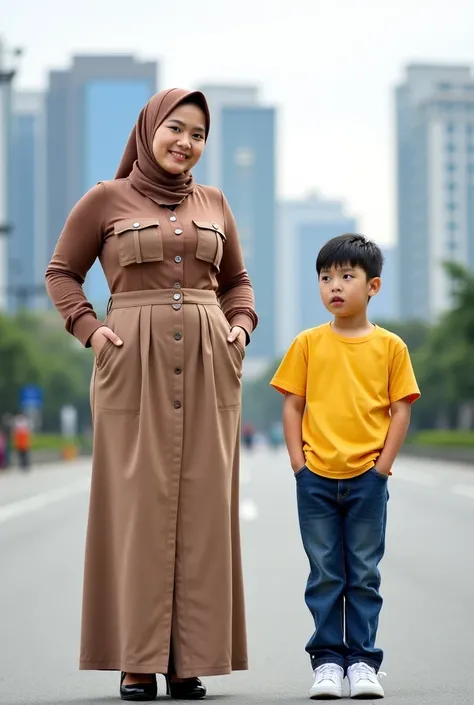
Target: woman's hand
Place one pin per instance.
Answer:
(237, 333)
(100, 336)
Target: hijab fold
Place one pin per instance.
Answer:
(138, 163)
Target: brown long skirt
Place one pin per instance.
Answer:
(163, 560)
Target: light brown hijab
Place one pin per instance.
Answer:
(138, 162)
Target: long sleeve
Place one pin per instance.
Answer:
(235, 290)
(76, 251)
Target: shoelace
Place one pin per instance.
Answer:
(326, 672)
(362, 671)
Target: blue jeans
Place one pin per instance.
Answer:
(342, 525)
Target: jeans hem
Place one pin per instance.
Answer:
(374, 664)
(338, 660)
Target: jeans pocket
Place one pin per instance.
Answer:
(300, 471)
(382, 475)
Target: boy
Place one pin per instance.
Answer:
(348, 387)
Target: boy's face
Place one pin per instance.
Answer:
(345, 290)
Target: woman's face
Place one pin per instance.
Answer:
(179, 140)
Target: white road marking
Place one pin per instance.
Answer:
(248, 510)
(464, 490)
(39, 501)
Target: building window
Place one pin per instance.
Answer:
(452, 225)
(450, 147)
(470, 168)
(451, 167)
(451, 186)
(451, 206)
(450, 127)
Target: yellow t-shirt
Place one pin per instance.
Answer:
(349, 385)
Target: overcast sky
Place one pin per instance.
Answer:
(329, 65)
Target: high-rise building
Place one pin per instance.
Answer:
(91, 109)
(240, 159)
(26, 245)
(385, 306)
(435, 188)
(209, 168)
(6, 78)
(303, 228)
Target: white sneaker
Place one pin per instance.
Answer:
(327, 682)
(364, 682)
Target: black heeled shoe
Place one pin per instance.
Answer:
(138, 692)
(189, 689)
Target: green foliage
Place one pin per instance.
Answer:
(34, 349)
(444, 364)
(262, 405)
(446, 439)
(413, 333)
(54, 441)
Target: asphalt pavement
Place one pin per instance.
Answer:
(427, 581)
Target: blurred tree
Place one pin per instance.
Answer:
(413, 333)
(445, 363)
(262, 405)
(19, 364)
(35, 350)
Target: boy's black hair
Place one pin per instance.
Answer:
(352, 250)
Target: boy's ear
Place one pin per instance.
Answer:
(374, 286)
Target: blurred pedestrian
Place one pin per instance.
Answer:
(275, 435)
(22, 440)
(163, 588)
(348, 387)
(248, 435)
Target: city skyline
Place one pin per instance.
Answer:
(337, 71)
(71, 126)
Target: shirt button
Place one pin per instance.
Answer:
(177, 285)
(136, 225)
(173, 219)
(178, 336)
(178, 231)
(176, 307)
(177, 370)
(177, 405)
(176, 297)
(178, 259)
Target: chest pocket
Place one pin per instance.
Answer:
(210, 244)
(138, 240)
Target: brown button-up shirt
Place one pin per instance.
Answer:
(143, 246)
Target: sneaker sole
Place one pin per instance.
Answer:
(366, 695)
(326, 695)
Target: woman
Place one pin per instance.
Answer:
(163, 586)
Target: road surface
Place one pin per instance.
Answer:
(426, 626)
